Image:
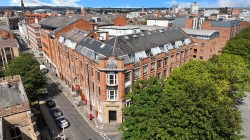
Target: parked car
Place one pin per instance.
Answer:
(62, 122)
(56, 112)
(50, 103)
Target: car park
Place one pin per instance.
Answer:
(56, 112)
(50, 103)
(62, 122)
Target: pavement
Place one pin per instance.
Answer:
(245, 114)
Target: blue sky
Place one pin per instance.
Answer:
(128, 3)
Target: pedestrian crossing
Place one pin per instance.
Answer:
(104, 136)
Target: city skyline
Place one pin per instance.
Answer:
(127, 3)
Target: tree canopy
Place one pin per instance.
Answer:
(239, 45)
(199, 100)
(28, 68)
(192, 105)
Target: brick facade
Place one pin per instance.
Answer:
(120, 21)
(6, 35)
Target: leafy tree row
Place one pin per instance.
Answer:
(198, 101)
(33, 79)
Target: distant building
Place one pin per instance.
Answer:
(119, 30)
(209, 12)
(120, 21)
(34, 18)
(165, 22)
(136, 14)
(175, 8)
(42, 11)
(194, 8)
(206, 43)
(9, 49)
(16, 120)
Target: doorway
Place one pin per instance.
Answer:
(112, 116)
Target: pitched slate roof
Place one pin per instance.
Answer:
(75, 35)
(130, 44)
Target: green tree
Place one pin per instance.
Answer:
(28, 68)
(191, 105)
(142, 120)
(199, 108)
(232, 70)
(239, 45)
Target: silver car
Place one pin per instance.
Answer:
(56, 112)
(62, 122)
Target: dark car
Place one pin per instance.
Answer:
(56, 112)
(50, 103)
(62, 122)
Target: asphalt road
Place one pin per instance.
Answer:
(79, 129)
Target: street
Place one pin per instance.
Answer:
(79, 129)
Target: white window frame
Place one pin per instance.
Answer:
(145, 71)
(115, 95)
(114, 78)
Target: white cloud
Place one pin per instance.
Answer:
(71, 3)
(233, 3)
(181, 4)
(211, 3)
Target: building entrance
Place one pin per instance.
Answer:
(112, 116)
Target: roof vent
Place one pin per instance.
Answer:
(126, 37)
(135, 36)
(149, 33)
(91, 41)
(102, 46)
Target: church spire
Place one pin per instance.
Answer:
(22, 6)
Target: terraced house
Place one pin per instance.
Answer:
(102, 71)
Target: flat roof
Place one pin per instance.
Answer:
(118, 27)
(8, 43)
(199, 32)
(146, 27)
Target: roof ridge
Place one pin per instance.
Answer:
(114, 45)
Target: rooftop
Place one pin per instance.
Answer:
(126, 45)
(11, 93)
(145, 27)
(36, 25)
(75, 35)
(199, 32)
(119, 27)
(8, 43)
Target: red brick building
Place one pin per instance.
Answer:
(6, 34)
(206, 43)
(51, 29)
(101, 73)
(34, 18)
(34, 39)
(120, 21)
